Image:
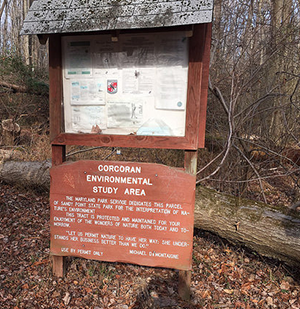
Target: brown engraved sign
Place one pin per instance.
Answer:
(139, 213)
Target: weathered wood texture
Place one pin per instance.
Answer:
(271, 231)
(133, 141)
(59, 266)
(184, 284)
(9, 130)
(55, 100)
(185, 277)
(27, 174)
(76, 16)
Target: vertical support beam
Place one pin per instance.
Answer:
(185, 276)
(58, 266)
(55, 104)
(190, 161)
(55, 85)
(198, 73)
(184, 284)
(58, 154)
(196, 48)
(204, 85)
(58, 262)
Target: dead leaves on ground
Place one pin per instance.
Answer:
(223, 276)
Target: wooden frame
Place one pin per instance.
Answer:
(195, 111)
(204, 86)
(199, 51)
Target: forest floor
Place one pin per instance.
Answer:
(223, 275)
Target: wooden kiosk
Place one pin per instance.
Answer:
(126, 73)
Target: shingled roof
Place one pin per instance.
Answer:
(66, 16)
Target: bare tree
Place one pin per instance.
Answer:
(12, 14)
(253, 109)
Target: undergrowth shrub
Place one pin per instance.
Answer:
(29, 109)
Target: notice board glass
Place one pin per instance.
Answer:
(131, 84)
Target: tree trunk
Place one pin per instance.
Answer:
(40, 88)
(14, 87)
(4, 3)
(10, 130)
(27, 174)
(271, 231)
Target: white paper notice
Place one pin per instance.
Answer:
(87, 92)
(124, 114)
(171, 87)
(135, 83)
(78, 59)
(138, 81)
(140, 50)
(85, 117)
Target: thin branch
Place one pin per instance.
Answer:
(288, 73)
(228, 145)
(260, 100)
(14, 87)
(268, 150)
(210, 162)
(256, 179)
(90, 149)
(294, 91)
(81, 151)
(216, 91)
(2, 8)
(255, 171)
(112, 152)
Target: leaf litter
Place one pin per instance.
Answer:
(223, 275)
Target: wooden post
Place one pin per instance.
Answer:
(58, 262)
(198, 74)
(184, 284)
(58, 265)
(55, 86)
(55, 99)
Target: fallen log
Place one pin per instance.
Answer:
(269, 230)
(272, 231)
(37, 87)
(27, 174)
(16, 88)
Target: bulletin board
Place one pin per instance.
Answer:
(130, 84)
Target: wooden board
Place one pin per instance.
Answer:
(137, 213)
(55, 85)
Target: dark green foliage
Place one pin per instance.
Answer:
(14, 70)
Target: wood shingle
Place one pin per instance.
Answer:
(69, 16)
